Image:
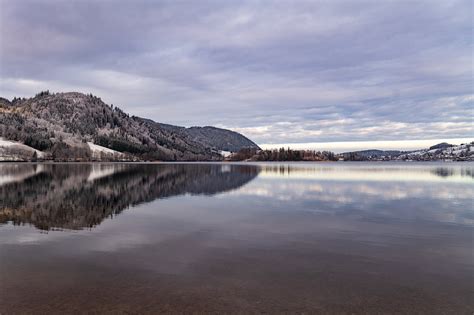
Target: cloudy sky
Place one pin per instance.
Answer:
(277, 71)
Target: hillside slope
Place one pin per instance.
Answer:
(218, 138)
(16, 151)
(63, 123)
(438, 152)
(442, 151)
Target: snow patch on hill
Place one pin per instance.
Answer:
(100, 152)
(16, 151)
(98, 149)
(225, 153)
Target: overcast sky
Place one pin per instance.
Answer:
(277, 71)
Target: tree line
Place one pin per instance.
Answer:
(282, 154)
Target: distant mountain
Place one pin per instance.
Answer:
(442, 151)
(442, 145)
(76, 126)
(223, 139)
(438, 152)
(370, 154)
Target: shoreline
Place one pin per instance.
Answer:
(229, 162)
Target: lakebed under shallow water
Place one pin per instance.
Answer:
(243, 238)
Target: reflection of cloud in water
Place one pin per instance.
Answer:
(392, 192)
(410, 200)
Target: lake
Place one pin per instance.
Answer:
(333, 238)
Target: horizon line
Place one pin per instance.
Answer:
(347, 146)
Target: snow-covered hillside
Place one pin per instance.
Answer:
(16, 151)
(463, 152)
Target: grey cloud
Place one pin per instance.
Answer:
(277, 70)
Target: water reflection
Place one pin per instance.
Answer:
(383, 171)
(75, 196)
(331, 238)
(419, 192)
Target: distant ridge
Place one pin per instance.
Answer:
(374, 153)
(223, 139)
(62, 124)
(438, 152)
(442, 145)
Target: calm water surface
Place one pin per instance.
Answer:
(353, 238)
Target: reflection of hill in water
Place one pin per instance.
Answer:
(75, 196)
(447, 172)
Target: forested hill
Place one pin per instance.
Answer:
(66, 125)
(223, 139)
